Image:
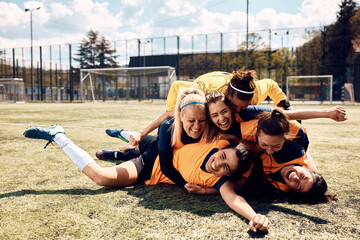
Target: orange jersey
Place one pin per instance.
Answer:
(292, 152)
(188, 160)
(271, 166)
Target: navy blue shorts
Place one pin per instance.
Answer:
(148, 148)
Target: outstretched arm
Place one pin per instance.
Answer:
(136, 138)
(242, 207)
(337, 113)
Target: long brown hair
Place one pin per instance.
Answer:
(213, 97)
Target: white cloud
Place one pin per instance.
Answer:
(181, 7)
(59, 10)
(68, 21)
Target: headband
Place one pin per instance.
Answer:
(192, 103)
(236, 89)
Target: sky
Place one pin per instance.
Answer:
(68, 21)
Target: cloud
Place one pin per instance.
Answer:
(69, 20)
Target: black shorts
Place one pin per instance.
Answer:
(148, 148)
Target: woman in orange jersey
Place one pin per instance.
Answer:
(205, 164)
(287, 155)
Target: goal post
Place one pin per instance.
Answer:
(12, 89)
(126, 83)
(310, 88)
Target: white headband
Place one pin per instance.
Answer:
(236, 89)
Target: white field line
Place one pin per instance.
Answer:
(39, 125)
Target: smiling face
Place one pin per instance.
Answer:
(270, 144)
(193, 118)
(220, 115)
(297, 178)
(223, 163)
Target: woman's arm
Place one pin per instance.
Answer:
(242, 207)
(311, 163)
(197, 189)
(166, 153)
(168, 169)
(137, 137)
(337, 113)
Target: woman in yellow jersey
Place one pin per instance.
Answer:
(241, 88)
(200, 163)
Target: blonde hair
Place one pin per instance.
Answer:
(186, 95)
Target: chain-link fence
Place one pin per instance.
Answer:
(273, 53)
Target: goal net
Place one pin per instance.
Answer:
(126, 83)
(12, 89)
(310, 88)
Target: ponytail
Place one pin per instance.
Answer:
(242, 84)
(274, 123)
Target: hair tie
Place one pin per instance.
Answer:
(192, 103)
(236, 89)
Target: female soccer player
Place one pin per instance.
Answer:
(241, 88)
(199, 163)
(283, 142)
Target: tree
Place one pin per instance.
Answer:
(95, 52)
(338, 39)
(256, 54)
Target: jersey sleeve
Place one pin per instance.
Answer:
(174, 91)
(267, 88)
(251, 112)
(164, 135)
(166, 153)
(220, 182)
(167, 168)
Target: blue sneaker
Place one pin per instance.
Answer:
(116, 133)
(44, 133)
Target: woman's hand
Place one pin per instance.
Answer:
(337, 113)
(259, 222)
(197, 189)
(135, 138)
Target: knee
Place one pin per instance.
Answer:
(100, 179)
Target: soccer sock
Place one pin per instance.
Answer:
(126, 134)
(127, 155)
(76, 154)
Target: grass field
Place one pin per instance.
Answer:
(44, 196)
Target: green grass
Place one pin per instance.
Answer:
(44, 196)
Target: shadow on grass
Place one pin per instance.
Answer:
(164, 196)
(57, 192)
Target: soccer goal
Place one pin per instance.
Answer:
(310, 88)
(12, 89)
(126, 83)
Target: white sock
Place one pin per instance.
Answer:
(126, 134)
(76, 154)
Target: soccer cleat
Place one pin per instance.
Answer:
(44, 133)
(116, 133)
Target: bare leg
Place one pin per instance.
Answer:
(124, 174)
(121, 175)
